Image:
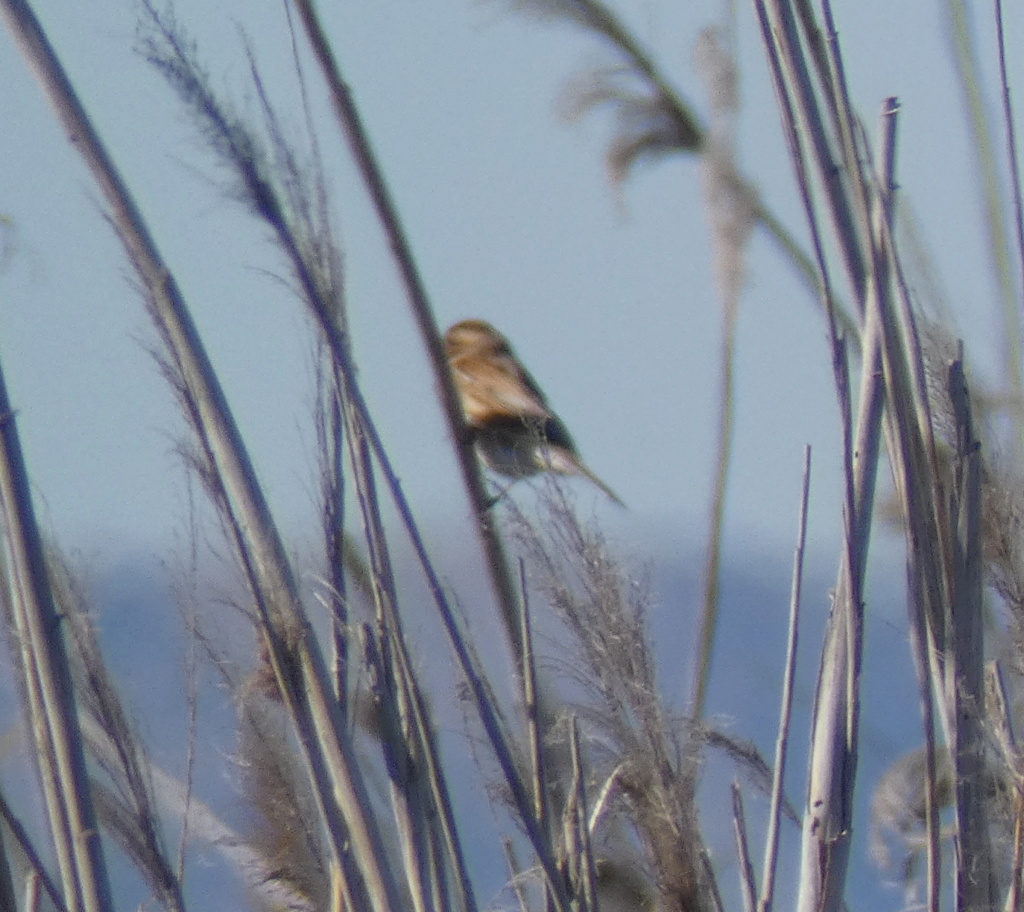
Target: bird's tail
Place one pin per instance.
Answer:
(609, 493)
(565, 462)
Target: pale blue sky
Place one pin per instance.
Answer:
(609, 299)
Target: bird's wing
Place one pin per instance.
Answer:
(495, 388)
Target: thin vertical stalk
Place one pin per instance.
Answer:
(359, 143)
(968, 73)
(422, 801)
(385, 654)
(515, 875)
(713, 560)
(336, 342)
(965, 690)
(482, 698)
(31, 892)
(1013, 895)
(7, 895)
(358, 851)
(60, 748)
(919, 653)
(1005, 740)
(35, 863)
(1011, 144)
(531, 705)
(333, 493)
(792, 63)
(730, 221)
(35, 711)
(832, 768)
(586, 887)
(771, 849)
(739, 824)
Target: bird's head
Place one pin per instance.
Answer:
(475, 337)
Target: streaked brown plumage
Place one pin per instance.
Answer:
(515, 432)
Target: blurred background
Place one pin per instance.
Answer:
(606, 290)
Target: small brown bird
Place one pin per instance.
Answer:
(515, 432)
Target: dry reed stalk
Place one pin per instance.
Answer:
(748, 885)
(771, 847)
(731, 219)
(352, 127)
(1010, 129)
(943, 523)
(970, 82)
(241, 150)
(646, 764)
(49, 699)
(359, 858)
(832, 765)
(123, 793)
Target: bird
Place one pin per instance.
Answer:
(514, 429)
